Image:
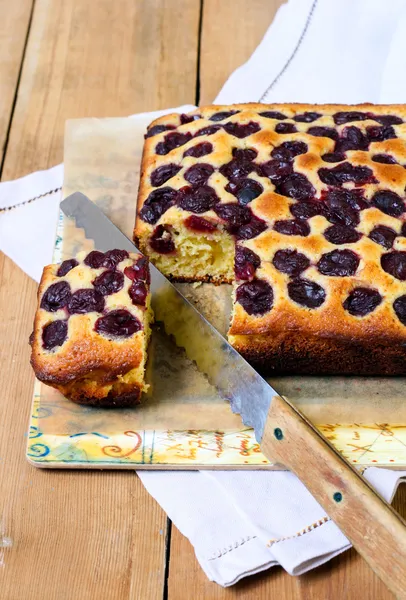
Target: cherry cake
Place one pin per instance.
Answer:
(303, 208)
(92, 327)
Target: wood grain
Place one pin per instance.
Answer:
(86, 535)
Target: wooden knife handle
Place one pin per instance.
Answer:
(374, 528)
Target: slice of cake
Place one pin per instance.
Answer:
(92, 327)
(309, 202)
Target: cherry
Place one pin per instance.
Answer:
(345, 172)
(237, 169)
(200, 224)
(245, 154)
(246, 262)
(172, 141)
(199, 150)
(362, 301)
(158, 129)
(199, 174)
(384, 236)
(333, 157)
(118, 323)
(157, 203)
(138, 271)
(251, 229)
(273, 114)
(347, 116)
(245, 190)
(54, 334)
(351, 138)
(138, 293)
(56, 296)
(290, 262)
(399, 307)
(306, 210)
(66, 266)
(84, 301)
(209, 130)
(241, 130)
(288, 150)
(234, 214)
(307, 293)
(197, 199)
(385, 159)
(220, 116)
(161, 240)
(296, 186)
(184, 119)
(113, 257)
(109, 282)
(389, 203)
(403, 230)
(394, 263)
(328, 132)
(307, 117)
(387, 119)
(341, 234)
(94, 259)
(162, 174)
(379, 134)
(292, 227)
(276, 170)
(256, 297)
(343, 207)
(283, 128)
(338, 263)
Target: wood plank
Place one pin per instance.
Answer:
(86, 535)
(14, 23)
(231, 30)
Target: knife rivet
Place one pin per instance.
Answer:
(338, 496)
(278, 433)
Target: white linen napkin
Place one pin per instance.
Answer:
(243, 522)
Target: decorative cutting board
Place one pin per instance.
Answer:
(181, 425)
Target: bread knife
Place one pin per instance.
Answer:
(284, 434)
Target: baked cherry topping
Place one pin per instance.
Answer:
(199, 174)
(276, 170)
(387, 119)
(54, 334)
(138, 293)
(246, 262)
(200, 224)
(389, 203)
(94, 259)
(296, 186)
(139, 271)
(341, 234)
(307, 293)
(351, 138)
(161, 240)
(118, 323)
(245, 154)
(84, 301)
(285, 128)
(273, 114)
(256, 297)
(307, 117)
(56, 296)
(199, 150)
(338, 263)
(290, 262)
(209, 130)
(234, 214)
(109, 282)
(171, 141)
(113, 257)
(157, 204)
(66, 266)
(384, 236)
(333, 157)
(394, 263)
(249, 230)
(292, 227)
(345, 172)
(242, 130)
(237, 169)
(343, 206)
(184, 119)
(385, 159)
(288, 150)
(158, 129)
(306, 210)
(220, 116)
(362, 301)
(399, 307)
(347, 116)
(403, 230)
(319, 131)
(245, 190)
(197, 199)
(379, 134)
(162, 174)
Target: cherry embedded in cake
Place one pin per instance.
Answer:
(302, 208)
(92, 327)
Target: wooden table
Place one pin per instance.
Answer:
(99, 535)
